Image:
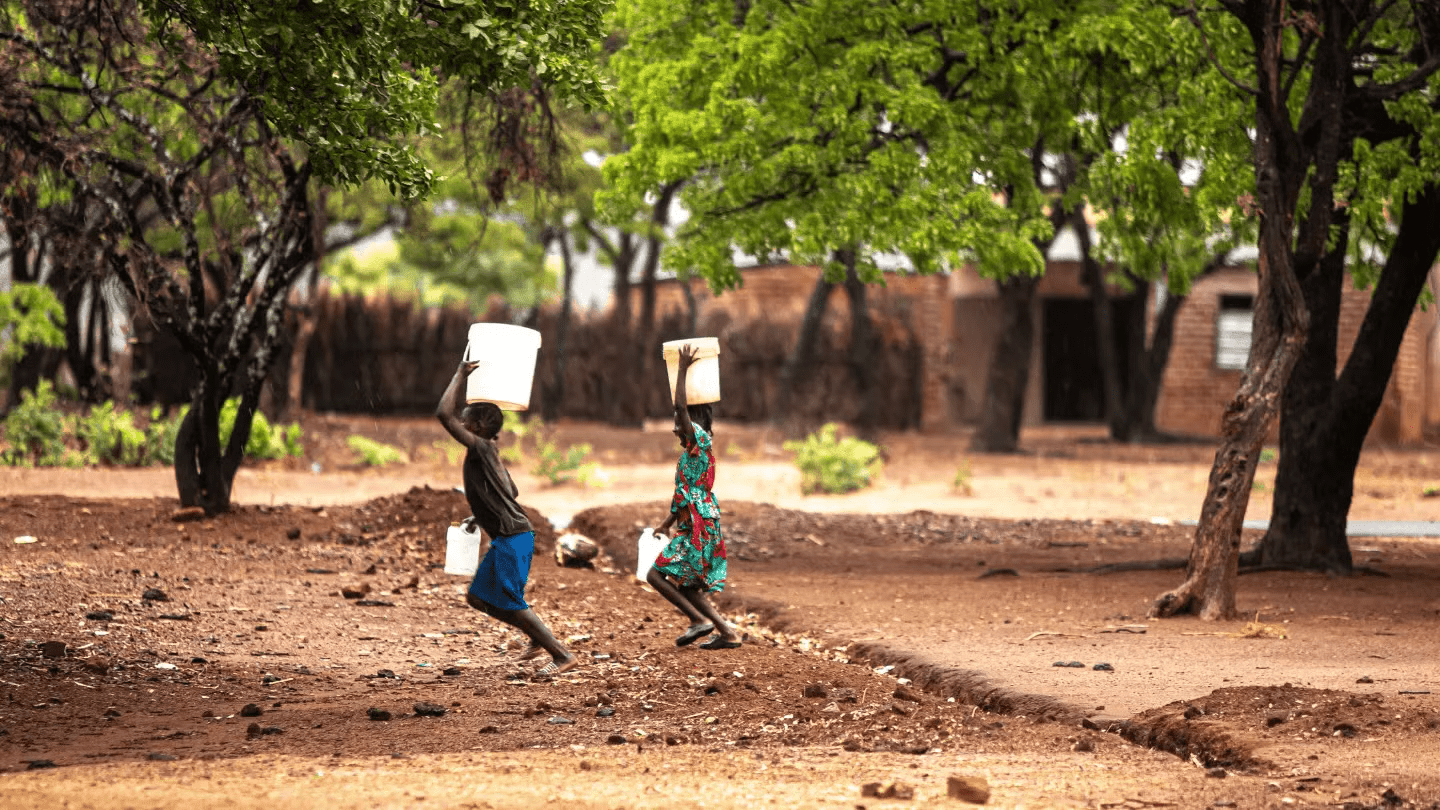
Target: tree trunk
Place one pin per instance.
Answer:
(797, 363)
(646, 348)
(1009, 374)
(1105, 345)
(187, 451)
(1324, 421)
(1147, 370)
(1280, 324)
(1282, 164)
(618, 393)
(556, 398)
(77, 354)
(199, 473)
(862, 355)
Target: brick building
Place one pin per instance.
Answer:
(956, 319)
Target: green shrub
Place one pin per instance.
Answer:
(559, 466)
(551, 463)
(160, 436)
(109, 436)
(961, 482)
(453, 452)
(376, 454)
(520, 429)
(265, 441)
(830, 464)
(35, 432)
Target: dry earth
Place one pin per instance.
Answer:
(895, 638)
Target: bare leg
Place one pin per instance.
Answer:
(528, 623)
(696, 598)
(667, 589)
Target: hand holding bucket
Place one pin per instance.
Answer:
(462, 548)
(702, 378)
(504, 358)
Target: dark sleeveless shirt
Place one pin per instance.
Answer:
(487, 489)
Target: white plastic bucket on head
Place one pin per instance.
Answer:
(650, 546)
(506, 355)
(462, 549)
(702, 380)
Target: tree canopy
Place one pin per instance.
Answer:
(804, 129)
(357, 81)
(177, 145)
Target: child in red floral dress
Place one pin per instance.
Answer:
(694, 560)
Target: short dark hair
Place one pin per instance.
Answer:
(487, 416)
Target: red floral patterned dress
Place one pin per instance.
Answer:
(695, 556)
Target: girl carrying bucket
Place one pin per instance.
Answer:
(694, 561)
(498, 589)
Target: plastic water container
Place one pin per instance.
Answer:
(650, 546)
(702, 381)
(506, 355)
(462, 549)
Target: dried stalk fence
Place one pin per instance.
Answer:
(389, 355)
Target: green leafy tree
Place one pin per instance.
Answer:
(1344, 126)
(357, 81)
(835, 133)
(1388, 200)
(453, 258)
(190, 133)
(1158, 163)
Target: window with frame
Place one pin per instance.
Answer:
(1233, 325)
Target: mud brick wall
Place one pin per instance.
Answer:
(913, 318)
(1195, 392)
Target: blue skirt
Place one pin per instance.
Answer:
(500, 579)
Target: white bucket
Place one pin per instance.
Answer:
(650, 546)
(506, 355)
(702, 380)
(462, 549)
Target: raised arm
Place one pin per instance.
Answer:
(682, 405)
(450, 405)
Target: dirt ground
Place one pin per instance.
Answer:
(897, 639)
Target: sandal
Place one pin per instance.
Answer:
(720, 643)
(554, 668)
(694, 634)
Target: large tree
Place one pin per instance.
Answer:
(1392, 205)
(190, 133)
(949, 133)
(834, 133)
(1316, 74)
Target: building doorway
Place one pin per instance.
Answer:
(1074, 391)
